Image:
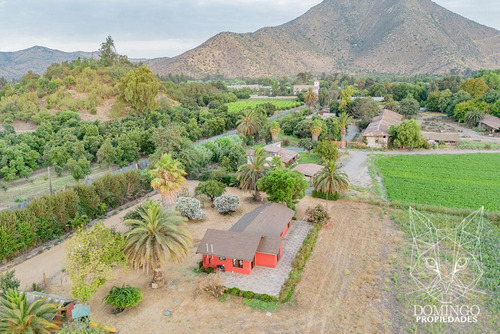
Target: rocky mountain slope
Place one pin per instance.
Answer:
(357, 36)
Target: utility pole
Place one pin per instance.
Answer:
(50, 180)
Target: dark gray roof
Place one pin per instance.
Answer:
(230, 244)
(267, 220)
(269, 245)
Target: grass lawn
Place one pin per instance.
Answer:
(456, 181)
(280, 104)
(305, 159)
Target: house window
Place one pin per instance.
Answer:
(237, 263)
(222, 258)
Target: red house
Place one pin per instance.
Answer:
(255, 240)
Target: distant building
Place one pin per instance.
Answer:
(490, 123)
(309, 170)
(324, 115)
(287, 156)
(441, 138)
(301, 88)
(376, 134)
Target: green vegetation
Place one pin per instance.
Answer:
(123, 297)
(261, 305)
(8, 281)
(284, 186)
(279, 104)
(457, 181)
(49, 217)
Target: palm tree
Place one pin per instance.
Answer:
(473, 117)
(249, 174)
(20, 315)
(343, 120)
(316, 129)
(249, 123)
(274, 129)
(168, 177)
(310, 99)
(331, 179)
(153, 238)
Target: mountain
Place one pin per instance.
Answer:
(356, 36)
(37, 58)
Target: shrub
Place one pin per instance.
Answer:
(248, 294)
(266, 298)
(261, 305)
(320, 194)
(213, 285)
(317, 215)
(8, 281)
(190, 208)
(226, 203)
(123, 297)
(285, 142)
(211, 188)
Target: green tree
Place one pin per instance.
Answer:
(157, 236)
(250, 173)
(331, 179)
(211, 188)
(276, 163)
(91, 256)
(18, 314)
(316, 128)
(107, 153)
(307, 144)
(78, 169)
(407, 135)
(139, 89)
(408, 106)
(475, 87)
(327, 150)
(284, 186)
(343, 120)
(168, 177)
(345, 97)
(107, 52)
(249, 123)
(274, 129)
(310, 99)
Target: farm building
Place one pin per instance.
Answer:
(67, 303)
(376, 134)
(324, 115)
(449, 138)
(309, 170)
(254, 240)
(490, 123)
(301, 88)
(287, 156)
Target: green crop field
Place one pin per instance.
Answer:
(280, 104)
(456, 181)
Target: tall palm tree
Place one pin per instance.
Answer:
(249, 174)
(344, 119)
(20, 315)
(168, 177)
(274, 129)
(249, 123)
(331, 179)
(310, 99)
(316, 129)
(153, 238)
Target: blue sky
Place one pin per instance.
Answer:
(155, 28)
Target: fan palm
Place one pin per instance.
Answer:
(249, 174)
(157, 236)
(473, 117)
(168, 177)
(274, 129)
(249, 123)
(331, 179)
(343, 120)
(316, 129)
(310, 99)
(20, 315)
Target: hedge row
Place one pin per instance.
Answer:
(250, 295)
(298, 264)
(328, 196)
(48, 217)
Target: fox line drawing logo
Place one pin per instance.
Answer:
(446, 263)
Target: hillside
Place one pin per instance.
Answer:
(37, 59)
(357, 36)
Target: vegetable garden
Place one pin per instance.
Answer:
(279, 104)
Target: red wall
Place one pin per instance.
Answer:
(285, 230)
(266, 260)
(214, 261)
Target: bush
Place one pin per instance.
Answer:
(124, 297)
(190, 208)
(285, 142)
(211, 188)
(320, 194)
(8, 281)
(317, 215)
(248, 294)
(213, 285)
(226, 203)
